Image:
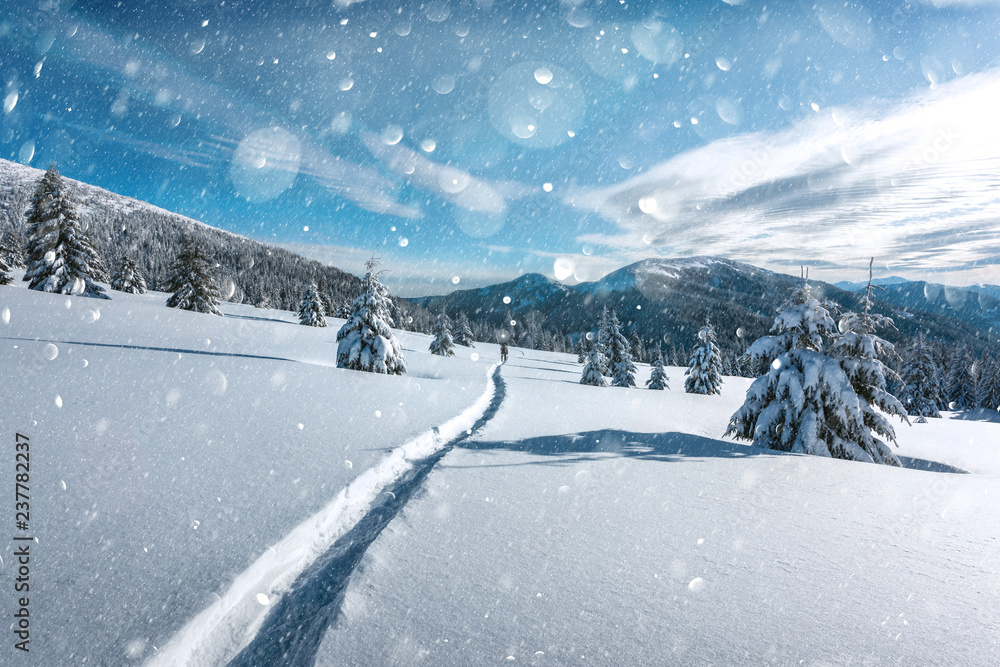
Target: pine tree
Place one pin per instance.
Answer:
(620, 362)
(603, 339)
(12, 250)
(658, 378)
(961, 383)
(704, 373)
(344, 311)
(463, 332)
(365, 342)
(5, 278)
(263, 302)
(860, 352)
(311, 313)
(442, 343)
(191, 279)
(59, 255)
(988, 383)
(582, 349)
(592, 371)
(920, 376)
(128, 279)
(805, 403)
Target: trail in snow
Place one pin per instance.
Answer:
(294, 628)
(312, 564)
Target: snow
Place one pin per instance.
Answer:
(612, 526)
(185, 446)
(187, 468)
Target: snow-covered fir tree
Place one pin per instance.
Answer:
(127, 278)
(603, 334)
(658, 377)
(311, 312)
(619, 352)
(344, 311)
(704, 373)
(592, 371)
(5, 278)
(463, 332)
(921, 382)
(365, 342)
(960, 385)
(582, 348)
(442, 344)
(191, 279)
(860, 353)
(263, 302)
(805, 403)
(58, 253)
(12, 249)
(988, 383)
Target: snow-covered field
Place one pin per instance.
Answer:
(187, 469)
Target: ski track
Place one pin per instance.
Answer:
(305, 575)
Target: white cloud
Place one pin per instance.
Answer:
(916, 184)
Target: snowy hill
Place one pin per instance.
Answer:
(668, 299)
(212, 490)
(249, 270)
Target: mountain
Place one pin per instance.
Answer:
(248, 270)
(978, 305)
(860, 287)
(666, 301)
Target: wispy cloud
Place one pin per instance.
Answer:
(915, 183)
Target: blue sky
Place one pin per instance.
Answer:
(473, 141)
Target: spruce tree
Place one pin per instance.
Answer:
(5, 278)
(442, 344)
(961, 382)
(603, 341)
(59, 255)
(128, 279)
(620, 363)
(365, 342)
(920, 377)
(704, 373)
(191, 279)
(805, 403)
(988, 383)
(658, 377)
(592, 371)
(12, 250)
(311, 313)
(860, 353)
(463, 332)
(582, 349)
(344, 311)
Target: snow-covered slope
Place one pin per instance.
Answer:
(613, 527)
(171, 450)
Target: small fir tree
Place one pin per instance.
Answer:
(704, 373)
(365, 342)
(620, 362)
(961, 382)
(311, 313)
(658, 377)
(603, 341)
(805, 403)
(592, 371)
(191, 279)
(988, 383)
(5, 278)
(12, 250)
(920, 376)
(127, 278)
(463, 332)
(582, 349)
(442, 344)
